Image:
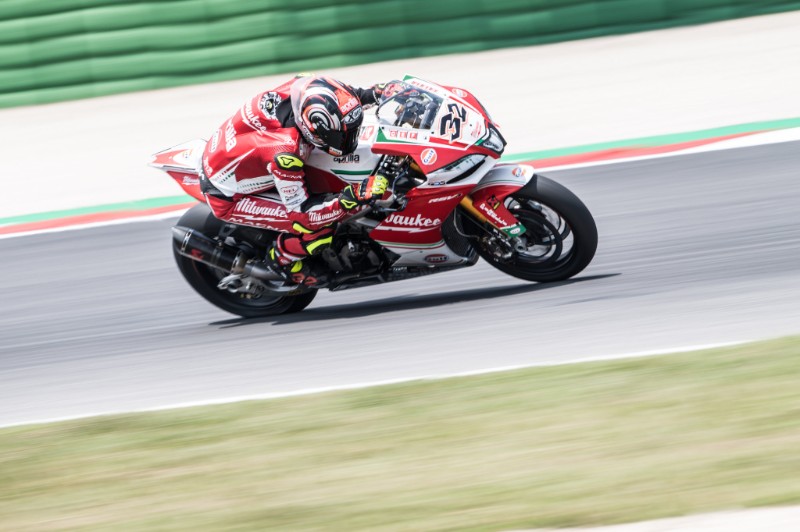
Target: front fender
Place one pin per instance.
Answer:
(486, 201)
(511, 177)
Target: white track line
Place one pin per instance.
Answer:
(361, 385)
(749, 141)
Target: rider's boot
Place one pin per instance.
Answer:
(290, 266)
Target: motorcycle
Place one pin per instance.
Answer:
(449, 203)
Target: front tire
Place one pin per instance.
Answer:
(561, 236)
(204, 279)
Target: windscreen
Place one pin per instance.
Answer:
(410, 107)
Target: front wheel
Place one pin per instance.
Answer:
(204, 279)
(560, 238)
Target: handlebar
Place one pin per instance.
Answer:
(387, 205)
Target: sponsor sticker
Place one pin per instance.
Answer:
(402, 134)
(248, 206)
(349, 106)
(477, 129)
(523, 170)
(350, 158)
(429, 156)
(251, 119)
(320, 218)
(491, 214)
(422, 85)
(230, 136)
(514, 230)
(353, 115)
(450, 124)
(214, 141)
(410, 221)
(247, 220)
(444, 198)
(460, 93)
(436, 259)
(366, 133)
(268, 103)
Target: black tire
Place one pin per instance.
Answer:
(204, 279)
(561, 232)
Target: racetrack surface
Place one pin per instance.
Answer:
(694, 249)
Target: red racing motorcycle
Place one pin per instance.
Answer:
(449, 204)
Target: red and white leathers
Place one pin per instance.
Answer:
(259, 149)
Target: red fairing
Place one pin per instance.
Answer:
(455, 135)
(180, 163)
(267, 213)
(421, 220)
(489, 201)
(189, 182)
(236, 159)
(434, 157)
(470, 99)
(252, 210)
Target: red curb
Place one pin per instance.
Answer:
(624, 153)
(89, 218)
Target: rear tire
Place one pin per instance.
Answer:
(561, 233)
(204, 279)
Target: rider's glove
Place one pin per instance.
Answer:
(371, 188)
(384, 91)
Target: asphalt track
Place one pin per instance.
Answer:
(695, 249)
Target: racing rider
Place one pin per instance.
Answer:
(264, 145)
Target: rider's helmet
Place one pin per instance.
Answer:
(328, 113)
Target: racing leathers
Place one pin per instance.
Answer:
(259, 149)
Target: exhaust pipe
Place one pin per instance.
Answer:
(197, 246)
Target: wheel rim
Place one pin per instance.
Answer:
(550, 241)
(249, 301)
(261, 302)
(205, 279)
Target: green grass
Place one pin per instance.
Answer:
(573, 445)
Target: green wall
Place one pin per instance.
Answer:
(52, 50)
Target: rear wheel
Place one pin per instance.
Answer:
(560, 238)
(204, 279)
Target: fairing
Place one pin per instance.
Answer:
(446, 140)
(181, 162)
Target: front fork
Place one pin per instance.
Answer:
(486, 203)
(498, 216)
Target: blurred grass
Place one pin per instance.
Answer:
(572, 445)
